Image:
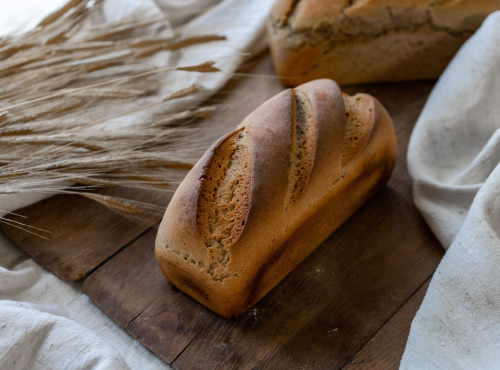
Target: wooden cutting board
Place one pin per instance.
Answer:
(350, 304)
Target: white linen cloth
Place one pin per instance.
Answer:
(46, 323)
(454, 161)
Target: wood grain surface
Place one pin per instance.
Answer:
(349, 304)
(385, 349)
(83, 233)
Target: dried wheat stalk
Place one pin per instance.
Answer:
(64, 81)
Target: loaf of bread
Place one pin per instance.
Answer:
(365, 41)
(264, 196)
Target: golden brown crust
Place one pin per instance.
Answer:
(360, 41)
(264, 196)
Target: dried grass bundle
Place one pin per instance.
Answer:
(81, 103)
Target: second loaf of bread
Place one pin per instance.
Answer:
(264, 196)
(360, 41)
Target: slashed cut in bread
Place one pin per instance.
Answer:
(363, 41)
(264, 196)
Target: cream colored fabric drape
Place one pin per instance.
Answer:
(454, 160)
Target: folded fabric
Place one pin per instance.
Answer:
(18, 17)
(46, 323)
(454, 161)
(40, 331)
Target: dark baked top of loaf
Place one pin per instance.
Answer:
(225, 199)
(315, 19)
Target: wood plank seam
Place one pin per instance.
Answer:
(118, 251)
(140, 313)
(385, 322)
(187, 345)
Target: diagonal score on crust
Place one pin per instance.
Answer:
(359, 121)
(224, 200)
(302, 146)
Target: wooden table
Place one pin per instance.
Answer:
(350, 304)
